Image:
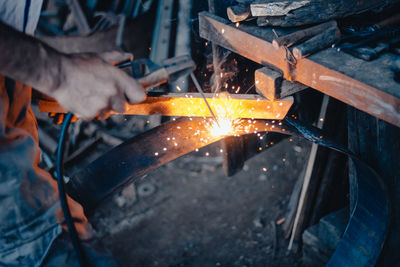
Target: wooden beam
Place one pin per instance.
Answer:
(368, 86)
(193, 105)
(317, 43)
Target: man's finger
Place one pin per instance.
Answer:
(115, 56)
(118, 104)
(131, 88)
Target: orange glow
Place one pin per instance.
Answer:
(224, 111)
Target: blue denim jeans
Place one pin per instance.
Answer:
(28, 195)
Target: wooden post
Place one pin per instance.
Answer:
(271, 84)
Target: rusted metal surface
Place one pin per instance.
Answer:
(368, 86)
(193, 105)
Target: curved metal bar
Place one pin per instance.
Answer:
(366, 231)
(368, 225)
(146, 152)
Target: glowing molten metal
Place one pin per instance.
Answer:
(227, 125)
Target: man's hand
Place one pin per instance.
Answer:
(83, 83)
(88, 86)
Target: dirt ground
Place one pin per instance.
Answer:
(187, 213)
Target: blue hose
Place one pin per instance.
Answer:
(61, 190)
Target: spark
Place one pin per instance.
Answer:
(237, 24)
(226, 125)
(178, 88)
(264, 169)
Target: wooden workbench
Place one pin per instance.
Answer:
(367, 86)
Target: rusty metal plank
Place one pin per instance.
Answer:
(193, 105)
(382, 101)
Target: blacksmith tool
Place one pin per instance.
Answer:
(150, 74)
(373, 51)
(377, 31)
(370, 42)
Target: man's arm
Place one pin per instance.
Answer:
(26, 59)
(83, 83)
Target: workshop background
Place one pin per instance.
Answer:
(263, 199)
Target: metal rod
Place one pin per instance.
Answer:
(198, 87)
(249, 106)
(148, 151)
(307, 175)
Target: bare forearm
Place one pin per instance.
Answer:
(28, 60)
(84, 84)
